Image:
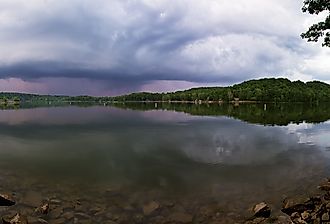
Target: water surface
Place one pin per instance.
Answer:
(187, 158)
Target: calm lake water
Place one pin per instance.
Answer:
(207, 161)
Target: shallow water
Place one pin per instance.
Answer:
(118, 160)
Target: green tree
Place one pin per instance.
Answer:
(321, 29)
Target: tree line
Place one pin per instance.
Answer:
(262, 90)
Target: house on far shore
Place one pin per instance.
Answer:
(236, 102)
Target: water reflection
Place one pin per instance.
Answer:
(209, 140)
(317, 135)
(216, 157)
(265, 113)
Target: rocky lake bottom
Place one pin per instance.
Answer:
(37, 203)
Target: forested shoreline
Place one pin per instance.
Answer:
(262, 90)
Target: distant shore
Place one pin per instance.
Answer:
(251, 91)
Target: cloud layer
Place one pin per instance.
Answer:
(128, 45)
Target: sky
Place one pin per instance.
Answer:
(111, 47)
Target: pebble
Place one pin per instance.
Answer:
(68, 215)
(16, 219)
(261, 210)
(325, 217)
(150, 207)
(6, 200)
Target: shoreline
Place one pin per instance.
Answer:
(209, 102)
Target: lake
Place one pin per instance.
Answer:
(161, 163)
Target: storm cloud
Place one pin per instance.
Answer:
(130, 45)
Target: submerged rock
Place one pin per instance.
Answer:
(56, 213)
(261, 210)
(305, 215)
(150, 207)
(81, 215)
(325, 217)
(261, 214)
(43, 209)
(302, 209)
(68, 215)
(36, 220)
(16, 219)
(313, 210)
(6, 200)
(325, 186)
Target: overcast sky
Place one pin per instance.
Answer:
(109, 47)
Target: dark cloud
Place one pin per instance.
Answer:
(131, 43)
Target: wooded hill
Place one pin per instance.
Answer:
(262, 90)
(24, 97)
